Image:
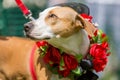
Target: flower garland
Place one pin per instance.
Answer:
(99, 48)
(58, 61)
(66, 65)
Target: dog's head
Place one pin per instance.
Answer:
(55, 22)
(61, 20)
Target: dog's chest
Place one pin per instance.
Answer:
(76, 44)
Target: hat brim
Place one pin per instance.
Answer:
(78, 7)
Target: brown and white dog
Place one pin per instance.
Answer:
(61, 27)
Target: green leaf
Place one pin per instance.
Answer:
(77, 71)
(54, 70)
(50, 62)
(62, 64)
(95, 39)
(44, 48)
(79, 57)
(42, 54)
(71, 76)
(99, 40)
(61, 51)
(105, 39)
(60, 76)
(100, 32)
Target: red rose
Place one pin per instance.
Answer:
(85, 16)
(103, 35)
(52, 56)
(70, 61)
(105, 45)
(98, 51)
(89, 37)
(41, 43)
(99, 64)
(96, 32)
(99, 55)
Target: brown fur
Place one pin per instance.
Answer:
(15, 52)
(67, 20)
(14, 60)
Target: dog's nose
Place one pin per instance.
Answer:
(28, 26)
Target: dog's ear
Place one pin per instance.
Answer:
(84, 24)
(79, 22)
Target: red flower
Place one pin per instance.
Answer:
(99, 64)
(41, 43)
(98, 51)
(85, 16)
(103, 35)
(105, 45)
(96, 32)
(52, 56)
(89, 37)
(99, 55)
(70, 61)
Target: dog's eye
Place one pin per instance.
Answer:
(52, 16)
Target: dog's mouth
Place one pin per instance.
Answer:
(37, 36)
(28, 32)
(37, 31)
(31, 37)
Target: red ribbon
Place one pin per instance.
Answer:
(23, 8)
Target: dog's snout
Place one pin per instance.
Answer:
(28, 26)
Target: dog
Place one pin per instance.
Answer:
(62, 27)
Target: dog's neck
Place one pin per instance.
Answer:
(78, 43)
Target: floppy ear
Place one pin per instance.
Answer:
(79, 21)
(84, 24)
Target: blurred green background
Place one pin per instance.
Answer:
(105, 12)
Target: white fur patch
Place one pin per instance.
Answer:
(41, 30)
